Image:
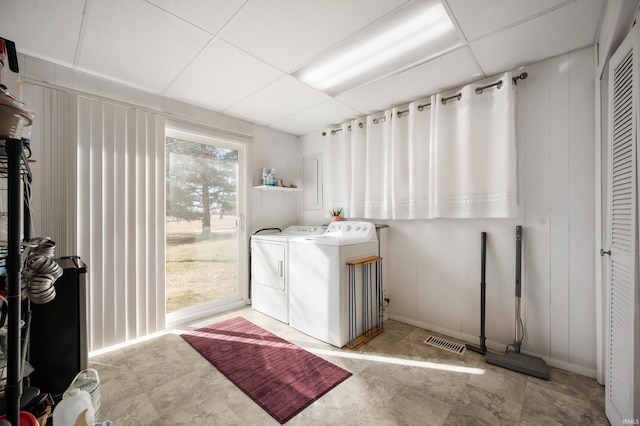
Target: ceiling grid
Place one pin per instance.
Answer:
(242, 57)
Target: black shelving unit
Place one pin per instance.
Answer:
(15, 169)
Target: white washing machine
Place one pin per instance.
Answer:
(269, 266)
(319, 279)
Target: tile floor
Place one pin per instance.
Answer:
(397, 380)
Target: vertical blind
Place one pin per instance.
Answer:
(54, 142)
(121, 204)
(451, 155)
(99, 175)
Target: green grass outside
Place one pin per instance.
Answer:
(199, 268)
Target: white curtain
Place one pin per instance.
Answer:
(338, 181)
(377, 188)
(473, 153)
(410, 160)
(452, 155)
(358, 139)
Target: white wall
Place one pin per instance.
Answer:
(434, 265)
(277, 150)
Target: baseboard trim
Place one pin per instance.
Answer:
(497, 346)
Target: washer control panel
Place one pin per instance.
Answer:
(351, 229)
(303, 230)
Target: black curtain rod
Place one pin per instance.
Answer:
(522, 76)
(334, 131)
(497, 84)
(458, 96)
(420, 108)
(479, 90)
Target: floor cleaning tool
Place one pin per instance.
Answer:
(482, 349)
(514, 360)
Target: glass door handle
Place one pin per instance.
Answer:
(238, 223)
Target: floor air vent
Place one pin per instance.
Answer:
(445, 344)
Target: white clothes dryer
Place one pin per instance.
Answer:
(319, 279)
(269, 266)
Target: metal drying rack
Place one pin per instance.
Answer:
(15, 169)
(372, 303)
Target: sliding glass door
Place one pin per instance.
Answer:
(204, 238)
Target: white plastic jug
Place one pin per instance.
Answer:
(88, 380)
(73, 409)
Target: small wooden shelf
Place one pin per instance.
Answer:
(364, 260)
(277, 188)
(364, 338)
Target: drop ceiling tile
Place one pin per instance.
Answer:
(136, 43)
(478, 18)
(329, 113)
(220, 76)
(287, 33)
(209, 15)
(277, 101)
(36, 28)
(453, 69)
(554, 33)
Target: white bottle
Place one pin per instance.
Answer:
(76, 404)
(274, 178)
(89, 381)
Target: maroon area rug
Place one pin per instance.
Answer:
(279, 376)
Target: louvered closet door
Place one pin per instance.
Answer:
(622, 353)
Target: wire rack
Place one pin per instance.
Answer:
(13, 167)
(26, 368)
(25, 170)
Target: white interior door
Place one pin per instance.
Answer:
(622, 397)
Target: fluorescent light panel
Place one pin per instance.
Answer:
(409, 37)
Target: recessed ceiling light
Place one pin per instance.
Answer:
(408, 37)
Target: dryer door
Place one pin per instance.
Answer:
(268, 265)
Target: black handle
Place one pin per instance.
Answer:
(483, 291)
(267, 229)
(483, 256)
(518, 261)
(10, 48)
(602, 252)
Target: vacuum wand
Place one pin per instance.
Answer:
(514, 360)
(483, 291)
(518, 340)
